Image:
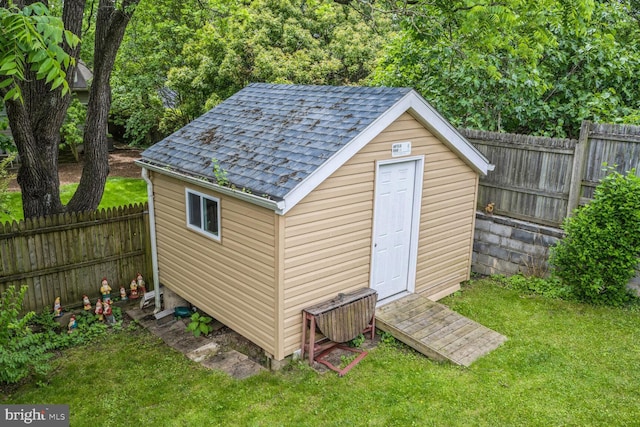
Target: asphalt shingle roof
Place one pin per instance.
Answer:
(268, 138)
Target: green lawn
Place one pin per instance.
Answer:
(117, 192)
(565, 363)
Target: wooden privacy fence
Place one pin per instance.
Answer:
(67, 255)
(542, 180)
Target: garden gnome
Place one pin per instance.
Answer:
(86, 302)
(99, 310)
(57, 308)
(123, 294)
(141, 286)
(134, 289)
(73, 324)
(105, 290)
(108, 313)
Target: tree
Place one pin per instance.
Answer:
(152, 45)
(31, 36)
(36, 119)
(168, 73)
(526, 67)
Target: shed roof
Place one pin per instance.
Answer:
(281, 141)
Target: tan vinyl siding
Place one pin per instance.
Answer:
(233, 280)
(446, 226)
(328, 234)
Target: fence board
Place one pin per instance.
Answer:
(616, 145)
(543, 179)
(67, 255)
(532, 175)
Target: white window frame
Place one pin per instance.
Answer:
(201, 228)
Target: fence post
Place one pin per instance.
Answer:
(577, 171)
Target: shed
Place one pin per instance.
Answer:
(283, 196)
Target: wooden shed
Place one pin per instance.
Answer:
(283, 196)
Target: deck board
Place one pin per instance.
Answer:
(437, 331)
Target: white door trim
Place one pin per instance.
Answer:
(415, 224)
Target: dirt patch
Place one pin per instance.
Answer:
(121, 164)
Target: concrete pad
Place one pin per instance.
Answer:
(234, 363)
(203, 352)
(210, 351)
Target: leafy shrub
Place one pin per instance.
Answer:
(599, 254)
(386, 339)
(199, 324)
(22, 352)
(357, 341)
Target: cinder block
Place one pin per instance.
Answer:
(490, 238)
(519, 258)
(523, 235)
(507, 268)
(173, 300)
(278, 365)
(501, 230)
(498, 252)
(514, 245)
(484, 259)
(480, 247)
(546, 240)
(481, 269)
(483, 225)
(532, 249)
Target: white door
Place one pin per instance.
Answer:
(393, 228)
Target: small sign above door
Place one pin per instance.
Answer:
(400, 149)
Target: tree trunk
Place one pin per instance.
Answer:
(35, 122)
(110, 26)
(35, 126)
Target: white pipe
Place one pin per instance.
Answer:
(154, 247)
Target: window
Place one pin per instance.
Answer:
(203, 214)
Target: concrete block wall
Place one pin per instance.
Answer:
(507, 246)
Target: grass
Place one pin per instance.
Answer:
(565, 363)
(117, 192)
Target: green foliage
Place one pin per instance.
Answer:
(524, 67)
(599, 254)
(387, 339)
(151, 46)
(32, 37)
(199, 324)
(73, 127)
(565, 363)
(219, 173)
(5, 177)
(168, 73)
(357, 341)
(547, 287)
(6, 141)
(22, 352)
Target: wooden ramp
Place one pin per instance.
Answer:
(436, 331)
